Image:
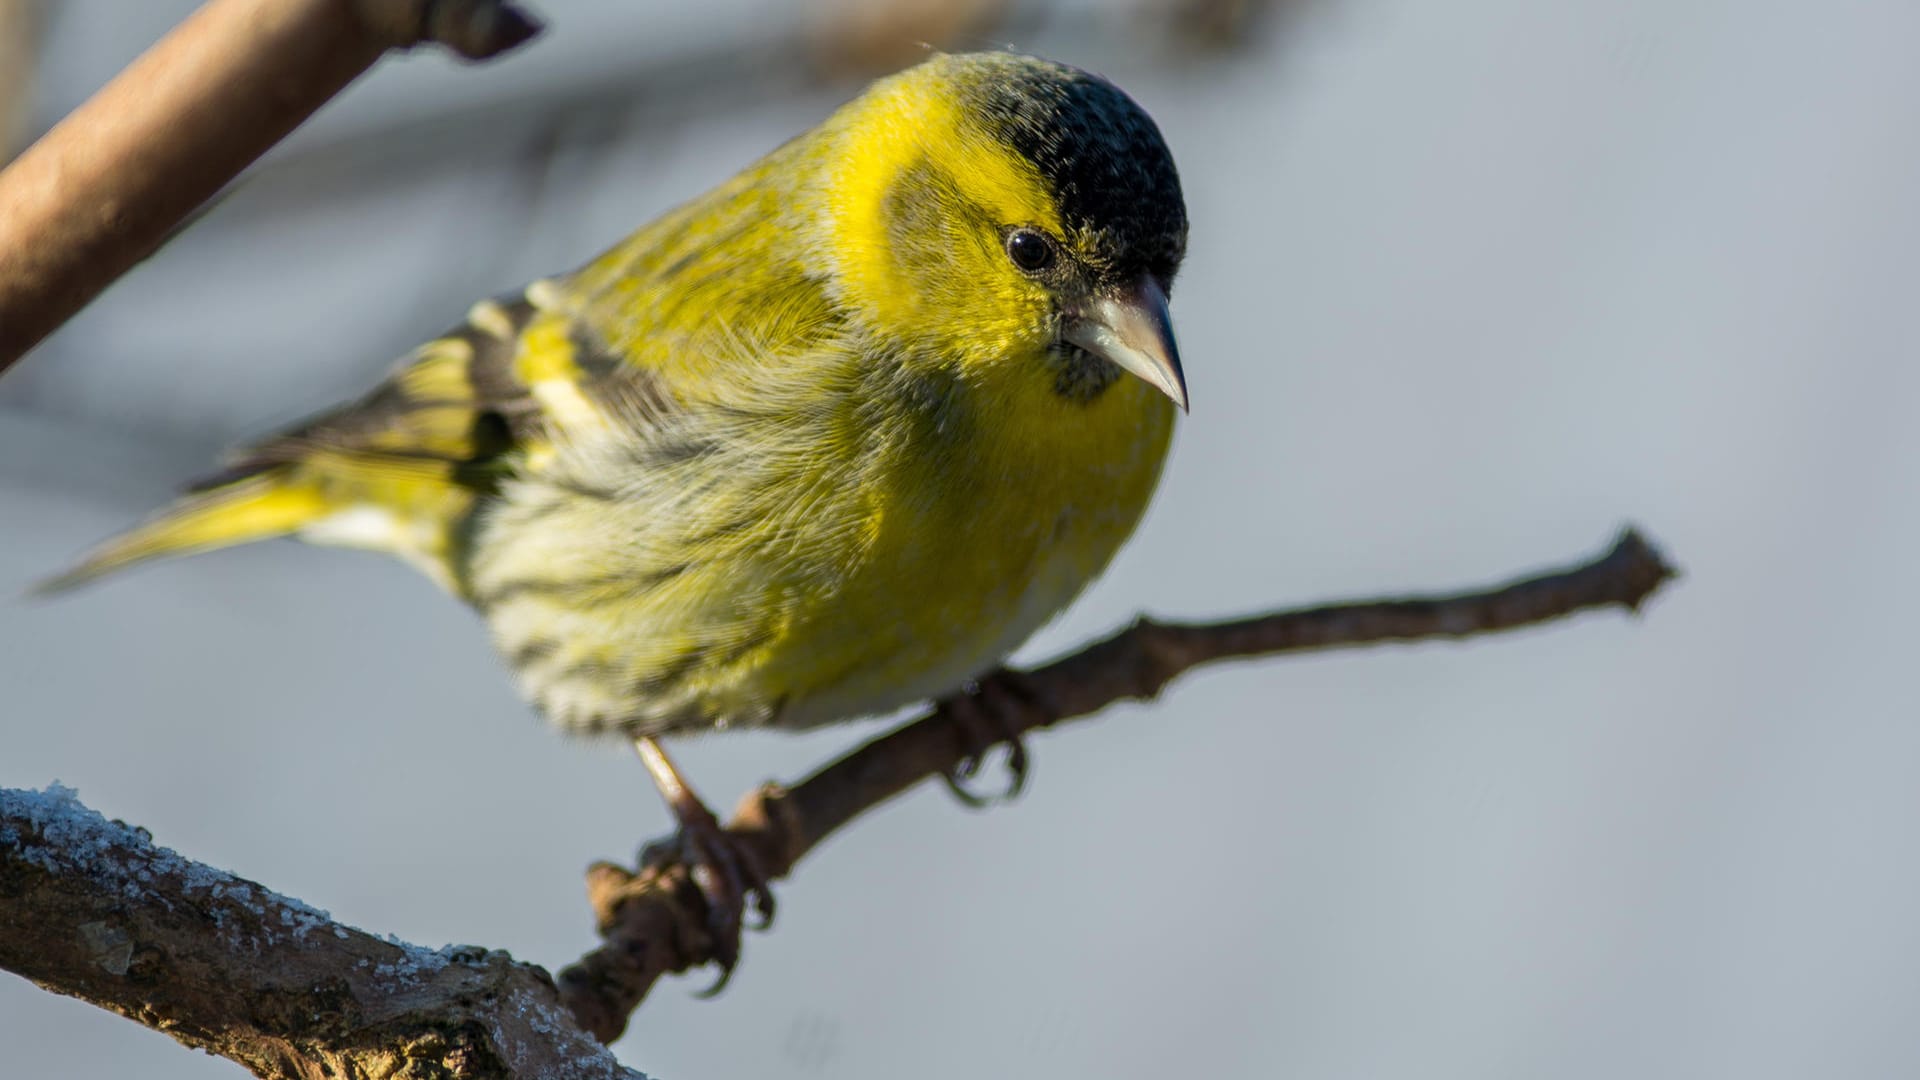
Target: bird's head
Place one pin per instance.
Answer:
(995, 208)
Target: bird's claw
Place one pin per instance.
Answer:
(986, 714)
(730, 880)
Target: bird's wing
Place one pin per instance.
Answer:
(402, 468)
(468, 404)
(689, 314)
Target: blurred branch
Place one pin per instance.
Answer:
(93, 909)
(787, 53)
(1219, 25)
(19, 63)
(513, 127)
(654, 921)
(871, 37)
(803, 49)
(102, 189)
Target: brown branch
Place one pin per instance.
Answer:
(654, 921)
(94, 910)
(101, 190)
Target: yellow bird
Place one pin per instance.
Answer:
(831, 439)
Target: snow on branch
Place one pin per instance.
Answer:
(94, 909)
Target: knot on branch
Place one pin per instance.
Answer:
(1160, 656)
(474, 29)
(1640, 568)
(653, 920)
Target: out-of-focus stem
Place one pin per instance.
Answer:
(103, 188)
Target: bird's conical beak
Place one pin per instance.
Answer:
(1130, 327)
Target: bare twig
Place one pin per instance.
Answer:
(100, 190)
(654, 921)
(92, 909)
(95, 910)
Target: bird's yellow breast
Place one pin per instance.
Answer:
(876, 541)
(980, 534)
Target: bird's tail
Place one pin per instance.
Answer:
(264, 504)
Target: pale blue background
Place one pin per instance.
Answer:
(1471, 285)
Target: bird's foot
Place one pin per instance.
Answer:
(730, 881)
(994, 710)
(726, 872)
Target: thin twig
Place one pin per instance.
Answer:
(653, 920)
(93, 909)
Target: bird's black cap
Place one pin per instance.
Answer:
(1111, 173)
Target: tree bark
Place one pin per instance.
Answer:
(93, 909)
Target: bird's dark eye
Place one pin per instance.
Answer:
(1030, 250)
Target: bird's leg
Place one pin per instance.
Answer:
(994, 710)
(725, 871)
